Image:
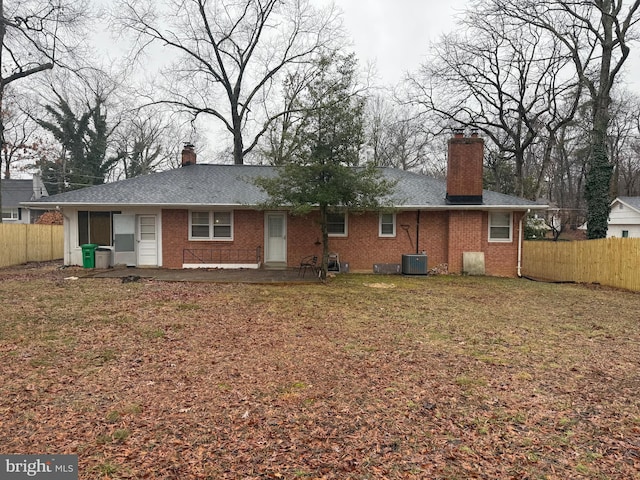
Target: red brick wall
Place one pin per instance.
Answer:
(501, 258)
(248, 234)
(443, 235)
(363, 247)
(465, 235)
(302, 234)
(464, 166)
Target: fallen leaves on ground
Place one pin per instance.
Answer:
(439, 377)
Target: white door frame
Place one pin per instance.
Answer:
(124, 245)
(275, 248)
(147, 249)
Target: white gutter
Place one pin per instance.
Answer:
(520, 246)
(54, 205)
(66, 233)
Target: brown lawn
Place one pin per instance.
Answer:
(367, 377)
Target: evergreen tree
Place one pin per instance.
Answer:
(83, 137)
(322, 172)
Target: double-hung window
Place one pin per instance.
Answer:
(387, 226)
(337, 224)
(214, 225)
(500, 226)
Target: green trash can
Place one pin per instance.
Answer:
(89, 255)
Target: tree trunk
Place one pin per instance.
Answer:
(600, 170)
(3, 30)
(238, 144)
(597, 189)
(324, 267)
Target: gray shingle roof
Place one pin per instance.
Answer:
(232, 185)
(16, 191)
(633, 202)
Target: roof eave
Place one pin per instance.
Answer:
(58, 205)
(473, 207)
(635, 209)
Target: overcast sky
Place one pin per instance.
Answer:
(396, 33)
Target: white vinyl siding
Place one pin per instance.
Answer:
(624, 218)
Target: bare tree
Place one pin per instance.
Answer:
(566, 175)
(34, 36)
(21, 140)
(77, 113)
(231, 55)
(508, 82)
(400, 136)
(379, 113)
(282, 137)
(624, 140)
(597, 35)
(144, 143)
(408, 144)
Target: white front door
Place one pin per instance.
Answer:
(275, 237)
(147, 240)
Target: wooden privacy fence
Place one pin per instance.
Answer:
(611, 261)
(21, 243)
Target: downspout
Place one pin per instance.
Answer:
(67, 225)
(418, 233)
(520, 245)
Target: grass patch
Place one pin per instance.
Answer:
(107, 468)
(101, 356)
(437, 377)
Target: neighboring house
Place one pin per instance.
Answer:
(624, 218)
(16, 192)
(209, 216)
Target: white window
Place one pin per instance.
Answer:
(500, 226)
(148, 228)
(10, 214)
(337, 224)
(216, 225)
(387, 225)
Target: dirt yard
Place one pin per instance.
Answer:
(367, 377)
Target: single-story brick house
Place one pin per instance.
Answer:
(203, 215)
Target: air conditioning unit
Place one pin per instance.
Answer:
(414, 264)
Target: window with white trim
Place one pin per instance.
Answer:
(500, 226)
(387, 226)
(211, 225)
(337, 224)
(10, 214)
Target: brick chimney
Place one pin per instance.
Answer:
(464, 169)
(188, 155)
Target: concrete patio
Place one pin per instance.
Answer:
(289, 275)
